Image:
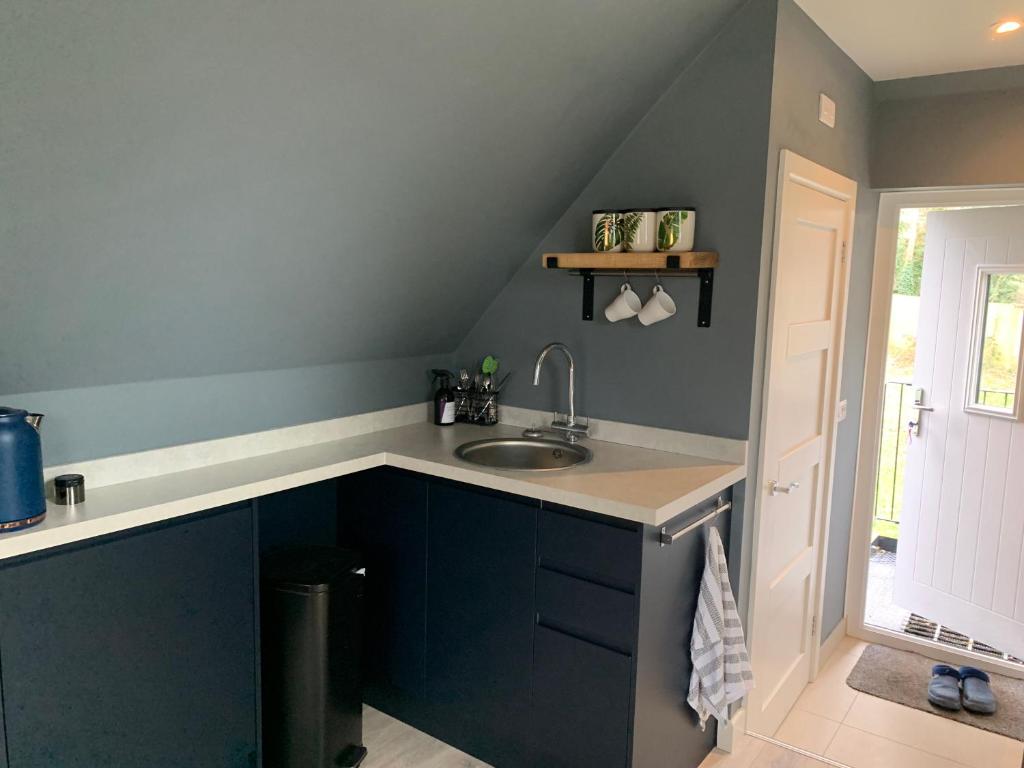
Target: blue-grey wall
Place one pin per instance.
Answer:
(703, 144)
(91, 422)
(210, 188)
(960, 129)
(807, 63)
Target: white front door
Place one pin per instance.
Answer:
(814, 221)
(960, 561)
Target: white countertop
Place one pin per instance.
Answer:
(640, 484)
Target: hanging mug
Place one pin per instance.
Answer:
(659, 307)
(607, 231)
(626, 305)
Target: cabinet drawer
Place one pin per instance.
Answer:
(599, 614)
(581, 703)
(591, 549)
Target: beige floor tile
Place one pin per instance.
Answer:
(743, 757)
(850, 645)
(773, 756)
(829, 696)
(859, 749)
(761, 754)
(807, 731)
(935, 734)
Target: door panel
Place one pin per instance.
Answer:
(480, 617)
(814, 222)
(959, 556)
(134, 652)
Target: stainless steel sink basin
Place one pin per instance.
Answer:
(524, 453)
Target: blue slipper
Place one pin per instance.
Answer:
(977, 694)
(944, 689)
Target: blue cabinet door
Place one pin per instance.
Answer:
(481, 555)
(132, 652)
(383, 515)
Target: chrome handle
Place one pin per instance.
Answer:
(721, 506)
(774, 489)
(922, 408)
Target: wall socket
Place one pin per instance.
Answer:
(841, 411)
(826, 110)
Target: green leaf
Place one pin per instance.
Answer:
(630, 226)
(668, 230)
(607, 232)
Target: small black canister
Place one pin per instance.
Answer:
(69, 489)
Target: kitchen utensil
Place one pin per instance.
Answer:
(22, 496)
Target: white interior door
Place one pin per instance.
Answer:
(959, 560)
(814, 220)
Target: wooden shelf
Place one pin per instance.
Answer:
(631, 260)
(699, 264)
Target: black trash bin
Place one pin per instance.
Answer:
(311, 627)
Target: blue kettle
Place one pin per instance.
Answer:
(22, 498)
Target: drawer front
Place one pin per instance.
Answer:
(586, 610)
(581, 703)
(601, 552)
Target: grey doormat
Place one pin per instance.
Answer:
(902, 677)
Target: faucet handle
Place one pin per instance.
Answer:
(572, 432)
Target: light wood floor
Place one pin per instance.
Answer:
(393, 744)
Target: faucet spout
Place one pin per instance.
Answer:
(572, 376)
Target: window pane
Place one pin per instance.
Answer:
(1000, 344)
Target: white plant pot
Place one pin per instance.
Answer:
(675, 228)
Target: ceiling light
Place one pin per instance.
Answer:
(1011, 25)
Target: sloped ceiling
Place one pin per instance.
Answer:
(211, 186)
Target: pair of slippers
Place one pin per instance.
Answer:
(967, 687)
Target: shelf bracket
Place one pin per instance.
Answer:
(588, 293)
(707, 279)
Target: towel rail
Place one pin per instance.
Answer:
(721, 506)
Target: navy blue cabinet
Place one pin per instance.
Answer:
(527, 634)
(138, 651)
(383, 514)
(480, 617)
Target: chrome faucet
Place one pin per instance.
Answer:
(572, 429)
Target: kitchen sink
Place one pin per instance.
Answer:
(524, 453)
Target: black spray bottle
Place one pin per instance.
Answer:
(444, 398)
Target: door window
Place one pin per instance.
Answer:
(994, 380)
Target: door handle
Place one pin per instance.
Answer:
(774, 489)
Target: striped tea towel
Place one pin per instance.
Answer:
(721, 666)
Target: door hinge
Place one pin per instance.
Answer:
(814, 625)
(844, 250)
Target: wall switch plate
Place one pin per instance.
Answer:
(826, 110)
(841, 411)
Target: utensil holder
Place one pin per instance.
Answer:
(482, 408)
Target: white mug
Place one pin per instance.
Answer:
(659, 307)
(627, 304)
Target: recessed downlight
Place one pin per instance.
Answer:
(1010, 25)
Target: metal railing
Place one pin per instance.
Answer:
(897, 410)
(896, 407)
